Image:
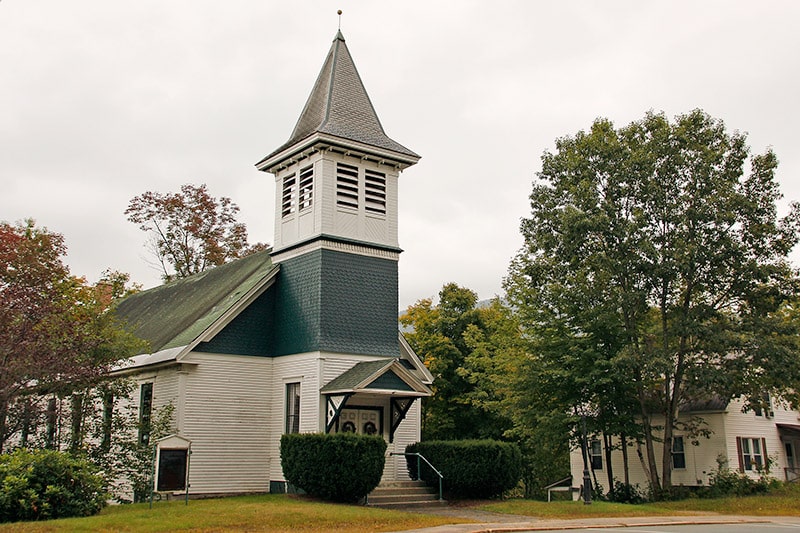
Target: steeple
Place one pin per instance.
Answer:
(340, 112)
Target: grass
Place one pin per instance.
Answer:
(782, 502)
(268, 513)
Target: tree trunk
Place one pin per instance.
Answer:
(652, 468)
(3, 417)
(609, 469)
(76, 422)
(625, 471)
(51, 424)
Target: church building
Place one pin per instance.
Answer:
(303, 337)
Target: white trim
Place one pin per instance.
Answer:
(325, 244)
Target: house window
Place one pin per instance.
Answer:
(346, 186)
(678, 453)
(288, 197)
(375, 192)
(145, 412)
(789, 454)
(752, 452)
(306, 188)
(292, 408)
(596, 454)
(764, 408)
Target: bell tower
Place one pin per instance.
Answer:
(336, 210)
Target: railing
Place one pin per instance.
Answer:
(421, 458)
(792, 474)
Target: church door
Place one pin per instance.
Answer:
(364, 421)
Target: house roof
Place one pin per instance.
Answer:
(177, 314)
(376, 376)
(340, 107)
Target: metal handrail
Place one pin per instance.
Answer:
(792, 474)
(419, 468)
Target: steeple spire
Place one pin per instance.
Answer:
(339, 110)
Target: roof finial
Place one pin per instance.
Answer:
(339, 12)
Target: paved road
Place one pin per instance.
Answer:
(485, 522)
(770, 527)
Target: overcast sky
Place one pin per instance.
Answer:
(102, 100)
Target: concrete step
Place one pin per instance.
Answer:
(404, 494)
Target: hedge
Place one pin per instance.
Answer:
(341, 467)
(46, 484)
(471, 468)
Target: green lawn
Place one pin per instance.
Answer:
(271, 513)
(783, 502)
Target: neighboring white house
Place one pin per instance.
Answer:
(744, 440)
(303, 337)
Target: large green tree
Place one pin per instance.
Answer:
(653, 258)
(460, 343)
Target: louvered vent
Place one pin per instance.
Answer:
(375, 192)
(288, 198)
(346, 186)
(306, 188)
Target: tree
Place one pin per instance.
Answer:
(458, 342)
(57, 333)
(651, 245)
(190, 230)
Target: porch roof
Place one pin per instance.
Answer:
(384, 376)
(792, 430)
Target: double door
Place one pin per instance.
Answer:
(361, 421)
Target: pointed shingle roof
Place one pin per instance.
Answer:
(339, 106)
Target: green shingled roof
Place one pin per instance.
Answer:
(378, 374)
(178, 313)
(339, 106)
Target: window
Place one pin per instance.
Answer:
(287, 200)
(596, 455)
(292, 408)
(145, 412)
(375, 192)
(752, 452)
(678, 453)
(764, 408)
(306, 188)
(789, 454)
(346, 186)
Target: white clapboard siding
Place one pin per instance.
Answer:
(302, 368)
(703, 460)
(225, 416)
(407, 433)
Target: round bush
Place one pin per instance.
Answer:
(342, 467)
(471, 468)
(45, 484)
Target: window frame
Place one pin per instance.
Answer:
(292, 397)
(678, 453)
(145, 412)
(751, 460)
(595, 454)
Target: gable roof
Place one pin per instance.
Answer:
(176, 315)
(375, 377)
(340, 107)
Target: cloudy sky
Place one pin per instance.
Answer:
(101, 101)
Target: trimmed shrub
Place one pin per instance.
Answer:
(341, 467)
(45, 484)
(471, 468)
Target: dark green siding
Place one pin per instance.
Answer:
(389, 381)
(250, 333)
(337, 302)
(321, 301)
